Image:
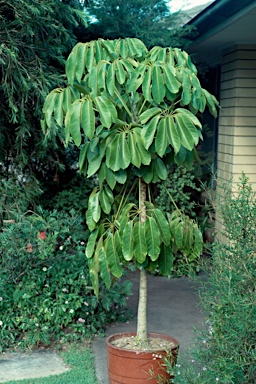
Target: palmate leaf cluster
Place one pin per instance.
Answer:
(148, 244)
(131, 112)
(35, 36)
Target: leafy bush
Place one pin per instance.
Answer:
(45, 293)
(179, 190)
(227, 350)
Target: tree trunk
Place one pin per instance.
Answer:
(142, 306)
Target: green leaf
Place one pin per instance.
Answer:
(173, 134)
(161, 141)
(49, 106)
(107, 111)
(58, 109)
(190, 115)
(109, 194)
(170, 80)
(211, 102)
(112, 257)
(180, 157)
(124, 152)
(110, 178)
(127, 241)
(187, 237)
(165, 260)
(124, 48)
(120, 176)
(160, 169)
(67, 99)
(120, 73)
(186, 137)
(91, 243)
(126, 209)
(93, 204)
(89, 219)
(71, 67)
(148, 114)
(90, 60)
(102, 74)
(94, 164)
(186, 88)
(158, 88)
(104, 272)
(112, 153)
(145, 155)
(152, 238)
(148, 131)
(92, 80)
(80, 60)
(146, 84)
(111, 79)
(88, 118)
(134, 154)
(163, 225)
(104, 202)
(72, 122)
(178, 237)
(139, 245)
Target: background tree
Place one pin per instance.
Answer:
(149, 20)
(35, 37)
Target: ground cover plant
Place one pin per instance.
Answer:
(79, 358)
(226, 350)
(45, 290)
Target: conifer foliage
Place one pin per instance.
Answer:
(35, 36)
(148, 20)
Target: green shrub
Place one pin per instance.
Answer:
(180, 190)
(226, 351)
(45, 292)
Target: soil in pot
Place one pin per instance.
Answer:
(127, 364)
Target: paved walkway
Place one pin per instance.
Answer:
(173, 309)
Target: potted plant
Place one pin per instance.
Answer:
(131, 112)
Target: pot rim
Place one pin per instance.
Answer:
(117, 336)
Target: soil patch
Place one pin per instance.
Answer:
(152, 344)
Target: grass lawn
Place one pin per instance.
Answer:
(80, 359)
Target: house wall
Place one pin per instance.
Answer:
(237, 120)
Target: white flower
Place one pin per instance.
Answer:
(204, 369)
(71, 311)
(1, 323)
(1, 299)
(82, 242)
(66, 302)
(61, 248)
(44, 269)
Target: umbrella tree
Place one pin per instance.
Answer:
(131, 111)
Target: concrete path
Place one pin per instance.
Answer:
(173, 309)
(17, 366)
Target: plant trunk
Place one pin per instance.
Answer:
(142, 306)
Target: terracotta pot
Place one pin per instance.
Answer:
(138, 367)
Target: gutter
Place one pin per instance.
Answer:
(217, 13)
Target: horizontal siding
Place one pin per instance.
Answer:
(237, 120)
